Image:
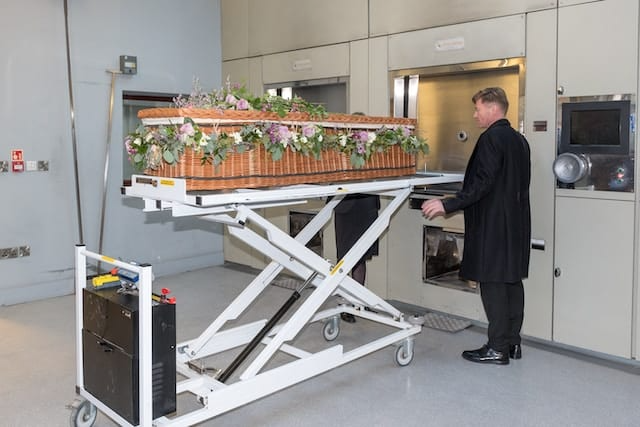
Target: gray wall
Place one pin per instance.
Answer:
(174, 41)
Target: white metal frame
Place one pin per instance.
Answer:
(235, 209)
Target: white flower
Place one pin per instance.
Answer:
(204, 139)
(148, 137)
(320, 138)
(237, 138)
(258, 132)
(370, 137)
(343, 140)
(138, 141)
(304, 139)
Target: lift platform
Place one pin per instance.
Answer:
(249, 377)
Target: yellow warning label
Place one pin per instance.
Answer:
(167, 182)
(107, 259)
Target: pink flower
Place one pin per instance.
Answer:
(308, 130)
(242, 104)
(230, 99)
(130, 149)
(361, 135)
(284, 133)
(187, 129)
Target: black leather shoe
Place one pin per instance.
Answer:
(486, 355)
(348, 317)
(467, 354)
(515, 351)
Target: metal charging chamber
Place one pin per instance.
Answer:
(596, 143)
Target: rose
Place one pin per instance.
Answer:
(283, 134)
(361, 135)
(308, 130)
(187, 129)
(242, 104)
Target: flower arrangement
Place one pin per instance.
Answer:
(149, 146)
(234, 96)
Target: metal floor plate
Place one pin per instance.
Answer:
(446, 323)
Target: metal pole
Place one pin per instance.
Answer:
(73, 127)
(114, 73)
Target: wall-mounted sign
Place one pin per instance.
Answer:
(454, 43)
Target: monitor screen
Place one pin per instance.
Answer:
(595, 127)
(600, 127)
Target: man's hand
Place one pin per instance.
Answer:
(432, 208)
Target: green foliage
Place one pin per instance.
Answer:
(149, 146)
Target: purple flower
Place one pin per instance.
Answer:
(187, 129)
(230, 99)
(308, 130)
(130, 149)
(271, 131)
(284, 134)
(405, 131)
(360, 147)
(361, 135)
(242, 104)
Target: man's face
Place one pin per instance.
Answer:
(485, 113)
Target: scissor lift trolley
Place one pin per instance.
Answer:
(322, 280)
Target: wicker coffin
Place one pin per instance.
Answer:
(255, 168)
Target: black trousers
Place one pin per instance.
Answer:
(504, 306)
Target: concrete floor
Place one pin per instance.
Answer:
(545, 388)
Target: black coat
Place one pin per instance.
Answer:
(495, 200)
(353, 216)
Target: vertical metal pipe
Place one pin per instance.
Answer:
(114, 73)
(74, 142)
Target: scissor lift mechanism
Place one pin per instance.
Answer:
(235, 209)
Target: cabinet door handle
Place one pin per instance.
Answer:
(557, 272)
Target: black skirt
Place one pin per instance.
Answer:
(353, 216)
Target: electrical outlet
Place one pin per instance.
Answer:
(43, 165)
(31, 166)
(15, 252)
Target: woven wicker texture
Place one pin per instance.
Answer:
(255, 168)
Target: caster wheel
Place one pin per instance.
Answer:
(331, 329)
(404, 355)
(83, 413)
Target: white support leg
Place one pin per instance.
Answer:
(145, 345)
(81, 283)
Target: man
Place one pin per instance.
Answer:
(497, 218)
